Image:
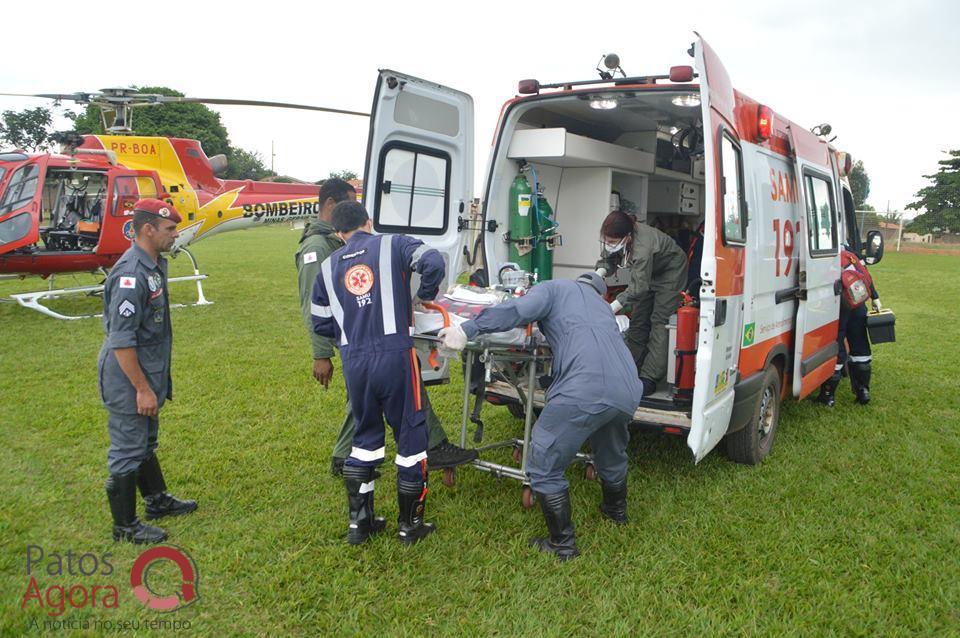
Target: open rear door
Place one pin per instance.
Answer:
(419, 173)
(724, 240)
(815, 345)
(20, 206)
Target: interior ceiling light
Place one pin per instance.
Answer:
(603, 104)
(686, 99)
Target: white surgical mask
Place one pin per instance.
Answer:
(615, 247)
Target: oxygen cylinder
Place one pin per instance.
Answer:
(688, 322)
(543, 229)
(521, 222)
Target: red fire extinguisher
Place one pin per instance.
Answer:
(688, 322)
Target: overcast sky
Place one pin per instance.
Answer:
(883, 74)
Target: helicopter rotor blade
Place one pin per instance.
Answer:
(81, 98)
(283, 105)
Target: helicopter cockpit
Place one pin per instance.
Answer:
(72, 204)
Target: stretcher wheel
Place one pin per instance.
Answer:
(517, 453)
(527, 498)
(449, 476)
(590, 472)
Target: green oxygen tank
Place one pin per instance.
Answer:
(521, 222)
(545, 232)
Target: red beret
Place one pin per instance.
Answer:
(159, 208)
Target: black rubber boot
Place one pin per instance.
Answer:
(447, 454)
(614, 504)
(860, 381)
(412, 499)
(828, 391)
(154, 490)
(363, 523)
(556, 511)
(122, 496)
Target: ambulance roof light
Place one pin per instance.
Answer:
(764, 122)
(528, 87)
(681, 73)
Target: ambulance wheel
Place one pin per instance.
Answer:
(517, 453)
(527, 498)
(753, 443)
(449, 476)
(590, 472)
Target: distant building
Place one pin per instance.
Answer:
(917, 238)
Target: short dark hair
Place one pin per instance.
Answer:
(337, 189)
(348, 216)
(141, 218)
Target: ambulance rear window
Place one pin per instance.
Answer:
(413, 193)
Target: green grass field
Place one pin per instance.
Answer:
(850, 527)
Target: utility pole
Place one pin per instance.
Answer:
(272, 156)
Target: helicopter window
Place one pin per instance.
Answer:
(21, 189)
(12, 157)
(127, 190)
(413, 193)
(15, 228)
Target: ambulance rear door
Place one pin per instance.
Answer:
(818, 311)
(722, 268)
(419, 173)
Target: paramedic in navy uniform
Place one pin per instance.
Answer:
(361, 299)
(134, 373)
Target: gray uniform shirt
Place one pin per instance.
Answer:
(592, 367)
(136, 314)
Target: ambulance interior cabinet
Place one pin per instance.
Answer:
(675, 197)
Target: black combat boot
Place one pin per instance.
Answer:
(363, 524)
(447, 454)
(154, 490)
(336, 466)
(556, 511)
(614, 504)
(860, 381)
(828, 391)
(122, 495)
(412, 498)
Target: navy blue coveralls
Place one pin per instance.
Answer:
(595, 389)
(852, 331)
(361, 299)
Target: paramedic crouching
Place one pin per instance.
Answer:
(593, 396)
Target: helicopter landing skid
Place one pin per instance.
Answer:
(32, 300)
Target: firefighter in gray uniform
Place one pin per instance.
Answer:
(318, 242)
(593, 396)
(134, 373)
(658, 272)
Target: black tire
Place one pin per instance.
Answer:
(753, 443)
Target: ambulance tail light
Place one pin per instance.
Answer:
(528, 87)
(764, 123)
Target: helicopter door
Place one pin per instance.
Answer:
(20, 206)
(419, 173)
(124, 189)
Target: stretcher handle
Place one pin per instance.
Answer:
(443, 311)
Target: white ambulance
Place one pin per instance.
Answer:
(677, 150)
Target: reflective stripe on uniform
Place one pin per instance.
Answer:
(366, 487)
(386, 285)
(320, 311)
(410, 461)
(335, 308)
(861, 358)
(366, 455)
(417, 254)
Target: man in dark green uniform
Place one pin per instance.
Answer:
(318, 241)
(134, 373)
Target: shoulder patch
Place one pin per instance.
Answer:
(310, 257)
(126, 309)
(128, 282)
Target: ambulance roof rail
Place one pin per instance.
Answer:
(677, 74)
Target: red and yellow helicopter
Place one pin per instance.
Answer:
(72, 212)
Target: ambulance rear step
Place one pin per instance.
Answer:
(670, 421)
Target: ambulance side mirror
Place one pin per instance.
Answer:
(874, 249)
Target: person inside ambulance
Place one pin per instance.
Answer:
(593, 396)
(852, 331)
(658, 272)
